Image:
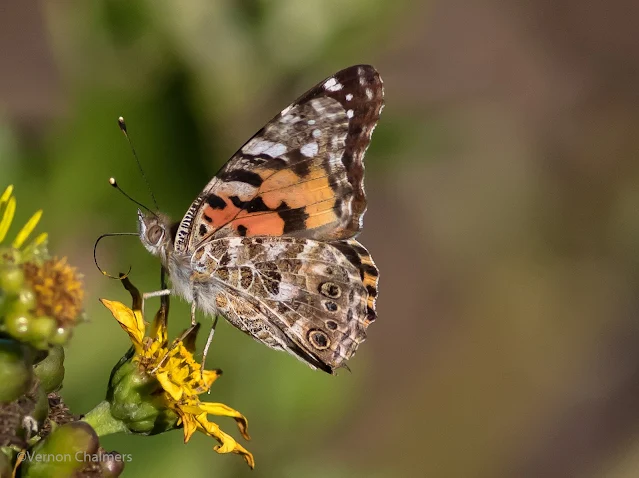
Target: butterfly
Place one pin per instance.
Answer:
(269, 244)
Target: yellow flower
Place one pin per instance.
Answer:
(7, 211)
(178, 373)
(42, 296)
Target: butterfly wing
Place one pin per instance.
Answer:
(301, 175)
(312, 299)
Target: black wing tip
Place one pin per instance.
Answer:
(363, 66)
(367, 71)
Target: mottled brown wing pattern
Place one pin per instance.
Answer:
(309, 298)
(301, 175)
(361, 259)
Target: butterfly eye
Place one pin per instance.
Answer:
(154, 234)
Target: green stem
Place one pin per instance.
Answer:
(102, 421)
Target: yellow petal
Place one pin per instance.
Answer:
(6, 194)
(130, 321)
(7, 217)
(247, 455)
(177, 366)
(221, 410)
(175, 391)
(153, 350)
(161, 335)
(190, 426)
(227, 442)
(28, 228)
(210, 376)
(158, 327)
(40, 239)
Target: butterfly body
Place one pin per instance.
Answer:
(269, 244)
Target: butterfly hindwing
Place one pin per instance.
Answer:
(301, 175)
(307, 297)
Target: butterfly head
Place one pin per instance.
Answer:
(154, 231)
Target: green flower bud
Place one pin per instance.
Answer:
(50, 371)
(25, 302)
(11, 279)
(4, 302)
(10, 256)
(62, 453)
(133, 404)
(41, 344)
(60, 336)
(41, 328)
(135, 401)
(17, 325)
(15, 370)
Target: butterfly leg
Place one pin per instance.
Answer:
(157, 293)
(209, 340)
(193, 309)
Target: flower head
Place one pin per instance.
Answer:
(57, 288)
(171, 378)
(40, 298)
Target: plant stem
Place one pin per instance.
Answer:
(102, 421)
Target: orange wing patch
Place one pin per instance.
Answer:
(284, 203)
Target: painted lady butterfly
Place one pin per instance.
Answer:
(269, 244)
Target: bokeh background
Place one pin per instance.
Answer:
(503, 184)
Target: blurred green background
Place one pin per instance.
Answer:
(503, 186)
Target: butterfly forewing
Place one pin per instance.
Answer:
(300, 175)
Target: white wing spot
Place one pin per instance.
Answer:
(362, 80)
(290, 118)
(256, 147)
(309, 149)
(276, 150)
(316, 133)
(349, 97)
(369, 93)
(238, 188)
(311, 122)
(332, 85)
(350, 113)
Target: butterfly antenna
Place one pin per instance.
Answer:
(95, 257)
(122, 126)
(115, 184)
